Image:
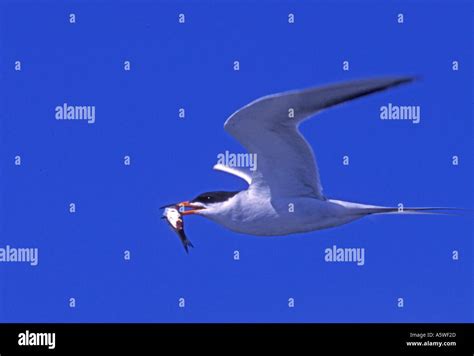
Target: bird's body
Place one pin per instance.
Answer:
(285, 194)
(255, 212)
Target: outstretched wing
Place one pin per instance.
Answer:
(239, 172)
(268, 127)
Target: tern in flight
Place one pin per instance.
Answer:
(287, 174)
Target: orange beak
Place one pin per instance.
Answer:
(187, 204)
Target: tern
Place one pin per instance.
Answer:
(284, 194)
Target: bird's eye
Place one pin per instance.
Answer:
(205, 198)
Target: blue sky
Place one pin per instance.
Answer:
(191, 66)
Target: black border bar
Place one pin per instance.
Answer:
(355, 338)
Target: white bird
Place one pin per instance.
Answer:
(285, 195)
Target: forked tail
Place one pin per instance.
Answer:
(363, 209)
(436, 210)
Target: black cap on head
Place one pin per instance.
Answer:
(213, 197)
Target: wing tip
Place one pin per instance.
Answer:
(409, 79)
(391, 81)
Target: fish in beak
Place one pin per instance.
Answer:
(174, 218)
(174, 213)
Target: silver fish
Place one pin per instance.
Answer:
(175, 220)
